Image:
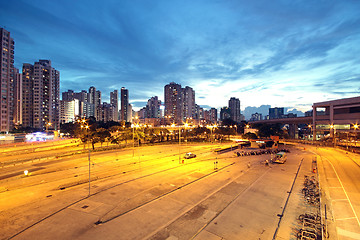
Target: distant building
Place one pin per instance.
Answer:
(106, 112)
(114, 101)
(213, 115)
(275, 113)
(256, 117)
(153, 109)
(17, 97)
(41, 96)
(7, 81)
(82, 96)
(225, 113)
(69, 110)
(124, 102)
(94, 97)
(234, 105)
(188, 100)
(67, 96)
(173, 102)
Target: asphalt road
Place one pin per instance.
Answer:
(340, 178)
(145, 193)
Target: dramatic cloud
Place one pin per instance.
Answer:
(280, 53)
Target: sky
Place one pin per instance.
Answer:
(280, 53)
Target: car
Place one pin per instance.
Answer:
(189, 155)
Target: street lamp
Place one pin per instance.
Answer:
(47, 126)
(333, 129)
(356, 126)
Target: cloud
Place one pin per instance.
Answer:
(279, 53)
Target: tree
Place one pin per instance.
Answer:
(102, 134)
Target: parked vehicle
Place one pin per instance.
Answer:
(280, 157)
(189, 155)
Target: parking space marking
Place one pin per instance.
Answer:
(352, 208)
(345, 218)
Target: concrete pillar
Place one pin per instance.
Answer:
(314, 123)
(293, 130)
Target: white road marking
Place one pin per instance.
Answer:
(345, 233)
(352, 208)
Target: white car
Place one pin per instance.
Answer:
(189, 155)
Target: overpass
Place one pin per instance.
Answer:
(342, 115)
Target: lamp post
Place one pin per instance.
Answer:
(47, 126)
(356, 126)
(133, 126)
(333, 129)
(309, 126)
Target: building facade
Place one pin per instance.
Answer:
(234, 105)
(7, 81)
(275, 113)
(114, 101)
(188, 100)
(124, 102)
(41, 96)
(225, 113)
(153, 109)
(173, 102)
(17, 98)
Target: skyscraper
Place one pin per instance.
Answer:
(124, 101)
(41, 95)
(188, 99)
(17, 97)
(95, 98)
(114, 101)
(27, 93)
(173, 102)
(153, 108)
(234, 105)
(7, 80)
(276, 112)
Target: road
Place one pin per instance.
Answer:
(145, 193)
(340, 178)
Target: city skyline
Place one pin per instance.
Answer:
(259, 52)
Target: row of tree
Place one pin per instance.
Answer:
(91, 131)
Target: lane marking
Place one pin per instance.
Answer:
(352, 208)
(345, 218)
(345, 233)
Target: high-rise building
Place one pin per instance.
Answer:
(69, 110)
(188, 99)
(114, 101)
(17, 97)
(225, 113)
(256, 117)
(173, 102)
(213, 115)
(82, 96)
(7, 81)
(68, 96)
(153, 108)
(124, 101)
(234, 105)
(276, 112)
(28, 96)
(95, 98)
(107, 112)
(41, 95)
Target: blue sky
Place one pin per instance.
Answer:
(279, 53)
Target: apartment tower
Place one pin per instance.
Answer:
(7, 81)
(41, 96)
